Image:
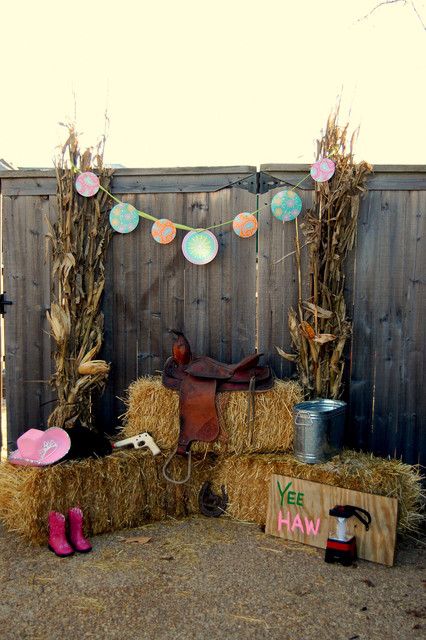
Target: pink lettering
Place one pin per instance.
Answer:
(297, 523)
(282, 520)
(310, 528)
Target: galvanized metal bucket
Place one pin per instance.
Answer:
(319, 427)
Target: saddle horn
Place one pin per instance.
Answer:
(181, 350)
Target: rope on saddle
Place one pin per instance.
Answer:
(167, 463)
(251, 409)
(221, 401)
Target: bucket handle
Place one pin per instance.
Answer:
(302, 414)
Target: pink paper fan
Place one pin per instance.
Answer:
(323, 170)
(87, 184)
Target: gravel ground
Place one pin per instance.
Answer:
(206, 579)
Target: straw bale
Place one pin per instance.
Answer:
(151, 407)
(125, 489)
(247, 481)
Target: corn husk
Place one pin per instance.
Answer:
(92, 367)
(78, 241)
(319, 326)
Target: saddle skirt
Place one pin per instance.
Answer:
(198, 381)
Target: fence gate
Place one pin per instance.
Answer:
(236, 303)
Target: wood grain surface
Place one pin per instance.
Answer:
(305, 505)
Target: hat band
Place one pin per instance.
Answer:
(48, 446)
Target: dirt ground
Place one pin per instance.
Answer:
(206, 579)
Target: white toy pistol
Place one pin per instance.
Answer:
(139, 441)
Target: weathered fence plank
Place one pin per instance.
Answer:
(174, 180)
(241, 277)
(363, 365)
(196, 297)
(28, 362)
(278, 281)
(387, 404)
(388, 298)
(411, 440)
(384, 177)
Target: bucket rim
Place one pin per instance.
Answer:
(320, 405)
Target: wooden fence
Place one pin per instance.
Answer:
(235, 304)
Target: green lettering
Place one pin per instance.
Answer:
(282, 493)
(299, 500)
(291, 497)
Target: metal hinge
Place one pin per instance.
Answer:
(258, 182)
(3, 303)
(267, 182)
(249, 183)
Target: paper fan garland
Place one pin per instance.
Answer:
(200, 247)
(87, 184)
(323, 170)
(245, 224)
(163, 231)
(123, 218)
(286, 205)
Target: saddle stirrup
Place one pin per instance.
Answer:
(168, 461)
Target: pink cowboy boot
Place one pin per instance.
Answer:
(58, 542)
(77, 539)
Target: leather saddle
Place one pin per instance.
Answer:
(198, 380)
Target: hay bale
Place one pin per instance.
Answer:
(151, 407)
(122, 490)
(247, 481)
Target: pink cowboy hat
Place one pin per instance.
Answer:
(39, 448)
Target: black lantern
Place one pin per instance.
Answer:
(341, 541)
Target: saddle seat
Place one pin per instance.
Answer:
(198, 381)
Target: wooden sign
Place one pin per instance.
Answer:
(298, 510)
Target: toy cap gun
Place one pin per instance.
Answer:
(139, 441)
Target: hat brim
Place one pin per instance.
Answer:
(63, 444)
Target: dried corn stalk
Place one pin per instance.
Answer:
(79, 241)
(320, 327)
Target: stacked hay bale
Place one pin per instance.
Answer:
(248, 454)
(125, 489)
(247, 480)
(153, 408)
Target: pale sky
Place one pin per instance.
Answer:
(198, 82)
